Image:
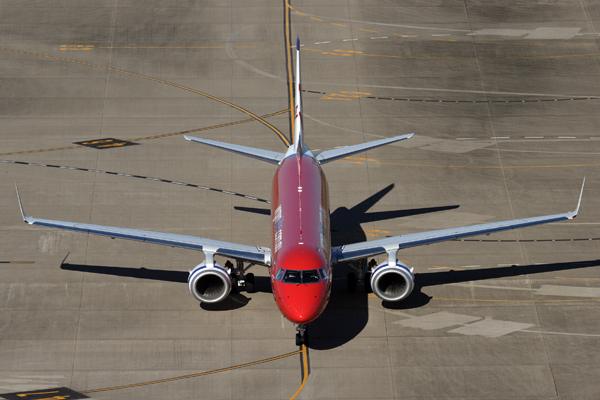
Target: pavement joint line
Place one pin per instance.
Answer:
(484, 101)
(443, 34)
(138, 177)
(516, 301)
(273, 128)
(194, 375)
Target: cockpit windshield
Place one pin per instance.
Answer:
(298, 277)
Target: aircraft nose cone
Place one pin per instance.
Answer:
(302, 311)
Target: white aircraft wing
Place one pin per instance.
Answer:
(256, 254)
(367, 249)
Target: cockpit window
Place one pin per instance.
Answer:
(323, 274)
(292, 276)
(311, 276)
(298, 277)
(279, 274)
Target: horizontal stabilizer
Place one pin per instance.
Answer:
(332, 155)
(260, 154)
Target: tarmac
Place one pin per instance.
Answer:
(504, 101)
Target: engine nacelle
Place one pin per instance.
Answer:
(392, 283)
(209, 284)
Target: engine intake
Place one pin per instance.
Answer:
(209, 284)
(392, 283)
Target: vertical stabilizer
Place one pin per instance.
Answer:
(298, 124)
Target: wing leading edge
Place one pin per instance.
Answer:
(367, 249)
(239, 251)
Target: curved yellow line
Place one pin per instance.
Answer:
(157, 80)
(305, 366)
(152, 137)
(194, 375)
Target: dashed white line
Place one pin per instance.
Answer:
(465, 138)
(379, 37)
(471, 266)
(347, 40)
(567, 137)
(322, 42)
(534, 137)
(507, 265)
(442, 34)
(500, 137)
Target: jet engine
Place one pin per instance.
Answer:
(209, 284)
(392, 283)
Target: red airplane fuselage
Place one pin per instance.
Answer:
(301, 239)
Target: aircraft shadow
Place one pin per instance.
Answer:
(347, 314)
(234, 301)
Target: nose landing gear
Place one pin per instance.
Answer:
(301, 335)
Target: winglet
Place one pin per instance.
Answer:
(574, 213)
(20, 205)
(298, 43)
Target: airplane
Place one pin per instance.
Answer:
(300, 259)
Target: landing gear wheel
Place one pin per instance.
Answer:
(368, 288)
(298, 340)
(250, 283)
(352, 282)
(234, 284)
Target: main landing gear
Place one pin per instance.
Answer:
(362, 276)
(239, 278)
(302, 335)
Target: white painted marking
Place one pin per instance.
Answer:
(441, 34)
(534, 137)
(323, 42)
(567, 137)
(465, 138)
(379, 37)
(490, 328)
(177, 183)
(594, 138)
(500, 137)
(437, 320)
(472, 285)
(226, 192)
(436, 268)
(507, 265)
(471, 266)
(347, 40)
